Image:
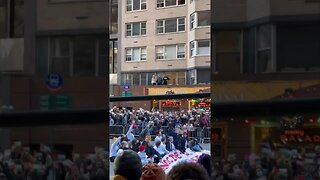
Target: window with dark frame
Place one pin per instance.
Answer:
(136, 5)
(136, 29)
(11, 18)
(136, 54)
(170, 25)
(168, 3)
(60, 60)
(170, 52)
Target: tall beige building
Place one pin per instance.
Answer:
(170, 37)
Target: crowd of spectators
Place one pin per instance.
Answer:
(150, 122)
(148, 150)
(128, 166)
(19, 163)
(281, 165)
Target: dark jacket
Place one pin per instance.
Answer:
(150, 151)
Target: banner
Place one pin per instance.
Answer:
(176, 157)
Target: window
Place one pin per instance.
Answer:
(167, 3)
(113, 59)
(11, 20)
(60, 56)
(170, 52)
(203, 18)
(114, 18)
(78, 55)
(192, 76)
(228, 48)
(136, 79)
(199, 19)
(181, 78)
(136, 29)
(170, 25)
(200, 48)
(18, 29)
(264, 63)
(84, 63)
(193, 21)
(135, 5)
(143, 79)
(127, 79)
(136, 54)
(203, 76)
(3, 18)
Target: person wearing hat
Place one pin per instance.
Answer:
(153, 171)
(142, 154)
(127, 166)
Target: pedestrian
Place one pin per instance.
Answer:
(165, 79)
(142, 154)
(154, 79)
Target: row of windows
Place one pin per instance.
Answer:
(137, 5)
(268, 48)
(170, 25)
(73, 56)
(175, 51)
(190, 77)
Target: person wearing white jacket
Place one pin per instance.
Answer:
(143, 156)
(130, 135)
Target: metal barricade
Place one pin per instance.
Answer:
(207, 134)
(116, 130)
(201, 134)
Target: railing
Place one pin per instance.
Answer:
(201, 134)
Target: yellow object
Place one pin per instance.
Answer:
(114, 139)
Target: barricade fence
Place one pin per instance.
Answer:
(201, 134)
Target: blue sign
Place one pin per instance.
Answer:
(54, 81)
(126, 87)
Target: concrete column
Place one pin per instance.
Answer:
(5, 102)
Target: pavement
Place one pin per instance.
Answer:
(205, 146)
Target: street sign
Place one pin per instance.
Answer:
(50, 102)
(126, 87)
(54, 82)
(62, 102)
(126, 93)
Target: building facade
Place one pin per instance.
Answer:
(66, 37)
(165, 37)
(262, 49)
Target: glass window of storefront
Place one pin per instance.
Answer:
(84, 56)
(60, 61)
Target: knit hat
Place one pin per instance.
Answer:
(152, 171)
(142, 148)
(128, 165)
